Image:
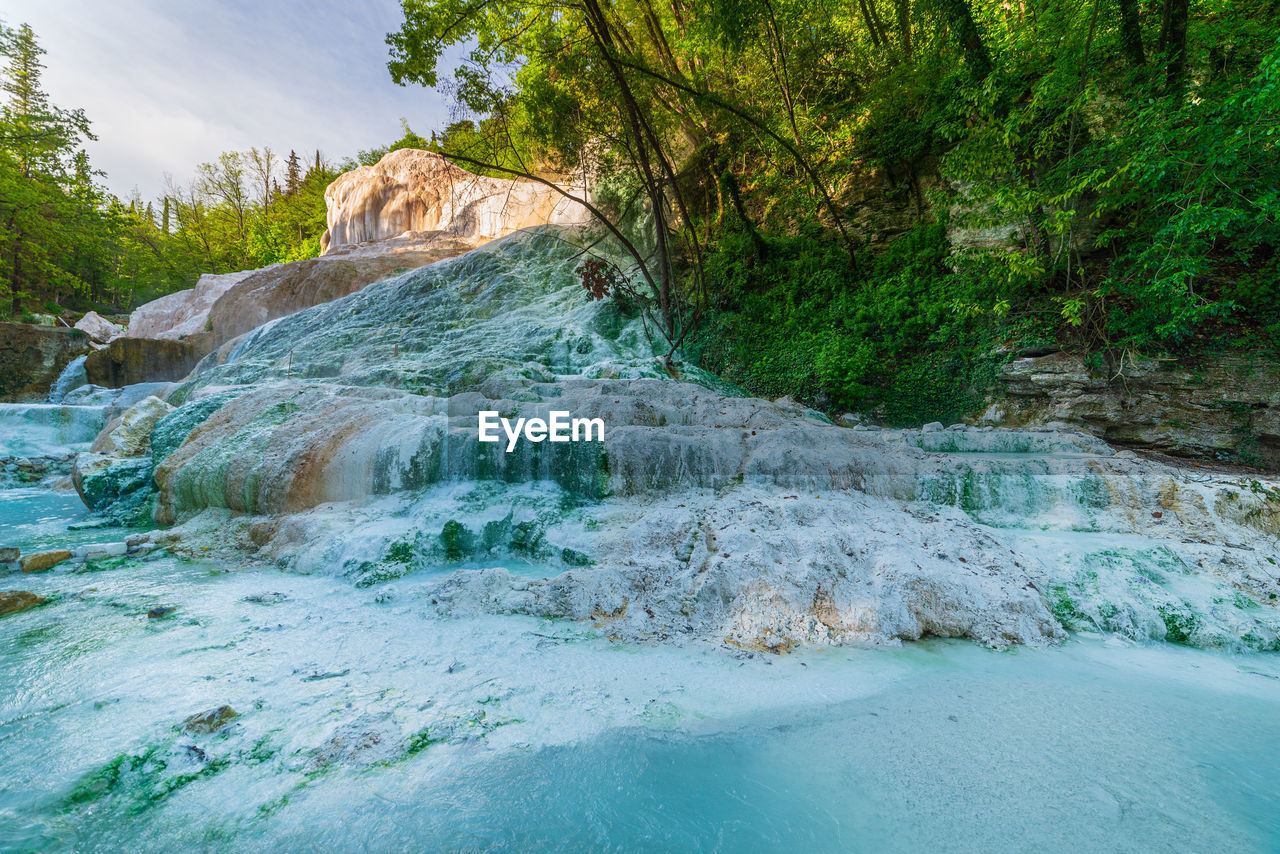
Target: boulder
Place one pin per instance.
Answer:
(420, 191)
(32, 357)
(98, 328)
(130, 435)
(9, 555)
(40, 561)
(12, 601)
(210, 721)
(126, 361)
(103, 481)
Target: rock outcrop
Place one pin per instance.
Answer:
(1226, 409)
(115, 477)
(127, 361)
(283, 289)
(98, 328)
(410, 209)
(32, 357)
(420, 191)
(178, 315)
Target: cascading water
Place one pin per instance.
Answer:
(73, 376)
(429, 642)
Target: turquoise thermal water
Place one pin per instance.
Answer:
(366, 722)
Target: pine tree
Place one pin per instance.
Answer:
(292, 174)
(39, 165)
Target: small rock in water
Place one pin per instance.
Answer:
(9, 555)
(40, 561)
(94, 551)
(316, 677)
(266, 598)
(210, 721)
(161, 611)
(932, 427)
(12, 601)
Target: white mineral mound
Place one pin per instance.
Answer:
(408, 210)
(411, 191)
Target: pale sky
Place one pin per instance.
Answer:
(170, 83)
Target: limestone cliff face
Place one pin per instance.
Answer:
(419, 191)
(1227, 409)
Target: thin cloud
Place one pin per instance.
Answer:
(170, 84)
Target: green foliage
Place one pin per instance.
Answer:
(905, 337)
(1110, 179)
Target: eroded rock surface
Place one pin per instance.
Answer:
(420, 191)
(31, 357)
(129, 361)
(1227, 409)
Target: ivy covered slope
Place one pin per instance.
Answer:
(872, 205)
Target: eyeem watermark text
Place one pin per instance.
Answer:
(559, 427)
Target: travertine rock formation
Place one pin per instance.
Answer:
(344, 439)
(283, 289)
(1226, 409)
(410, 209)
(419, 191)
(183, 313)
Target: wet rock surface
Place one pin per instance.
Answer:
(702, 514)
(210, 721)
(12, 601)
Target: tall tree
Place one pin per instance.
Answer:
(292, 174)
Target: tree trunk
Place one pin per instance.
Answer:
(1173, 41)
(959, 16)
(1131, 31)
(904, 25)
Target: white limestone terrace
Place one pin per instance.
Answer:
(342, 440)
(410, 208)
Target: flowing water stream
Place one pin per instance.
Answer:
(688, 639)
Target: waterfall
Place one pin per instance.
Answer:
(72, 377)
(48, 429)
